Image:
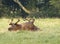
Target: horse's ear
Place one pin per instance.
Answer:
(11, 22)
(17, 21)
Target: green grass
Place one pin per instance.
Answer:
(50, 33)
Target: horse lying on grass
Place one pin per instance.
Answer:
(23, 26)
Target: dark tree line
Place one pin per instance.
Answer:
(30, 8)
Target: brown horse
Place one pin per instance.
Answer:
(23, 26)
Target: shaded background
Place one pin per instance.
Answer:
(41, 8)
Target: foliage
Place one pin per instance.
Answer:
(42, 8)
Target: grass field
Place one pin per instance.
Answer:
(50, 33)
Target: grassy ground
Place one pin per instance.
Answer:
(50, 33)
